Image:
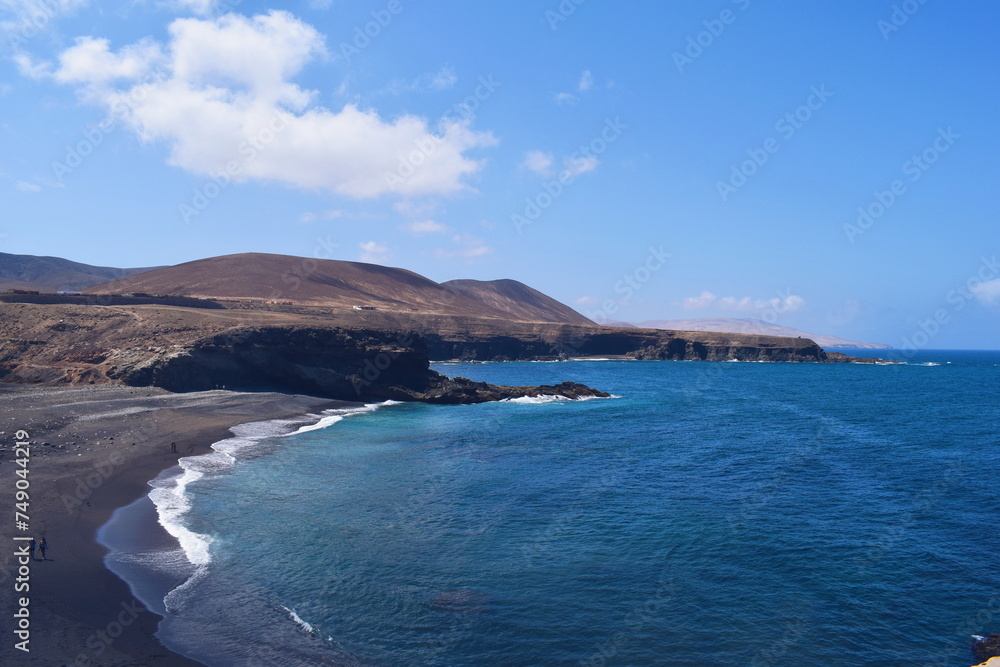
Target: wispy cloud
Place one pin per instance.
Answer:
(24, 186)
(443, 79)
(199, 7)
(421, 227)
(374, 253)
(574, 166)
(703, 300)
(565, 98)
(21, 20)
(584, 85)
(987, 292)
(746, 304)
(538, 162)
(465, 246)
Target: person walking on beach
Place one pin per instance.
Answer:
(31, 545)
(173, 447)
(42, 546)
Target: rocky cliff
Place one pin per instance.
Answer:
(191, 350)
(353, 356)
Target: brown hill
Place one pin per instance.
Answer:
(756, 326)
(511, 296)
(51, 274)
(339, 284)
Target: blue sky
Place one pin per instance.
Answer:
(829, 166)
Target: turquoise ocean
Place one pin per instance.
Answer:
(706, 514)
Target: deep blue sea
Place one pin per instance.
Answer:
(708, 514)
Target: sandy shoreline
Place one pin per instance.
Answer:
(105, 444)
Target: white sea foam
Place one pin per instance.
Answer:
(298, 620)
(171, 505)
(536, 400)
(551, 398)
(169, 490)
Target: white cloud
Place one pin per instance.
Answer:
(444, 79)
(373, 253)
(585, 83)
(199, 7)
(420, 227)
(91, 62)
(586, 300)
(537, 161)
(987, 292)
(565, 98)
(220, 95)
(24, 186)
(332, 214)
(746, 304)
(468, 247)
(573, 167)
(23, 19)
(27, 67)
(703, 300)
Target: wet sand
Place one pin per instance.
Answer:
(104, 445)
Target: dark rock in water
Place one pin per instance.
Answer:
(462, 391)
(464, 601)
(987, 647)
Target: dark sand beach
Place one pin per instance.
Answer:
(104, 445)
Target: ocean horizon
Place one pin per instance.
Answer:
(706, 513)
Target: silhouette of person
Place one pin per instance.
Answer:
(42, 546)
(173, 447)
(31, 545)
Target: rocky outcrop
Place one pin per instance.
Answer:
(152, 347)
(987, 647)
(350, 365)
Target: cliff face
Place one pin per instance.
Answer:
(567, 342)
(183, 350)
(371, 356)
